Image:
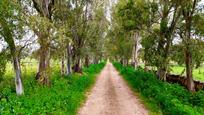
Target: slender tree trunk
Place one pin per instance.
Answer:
(145, 66)
(7, 35)
(62, 65)
(162, 73)
(127, 61)
(18, 81)
(188, 55)
(86, 61)
(164, 62)
(136, 49)
(188, 61)
(69, 56)
(77, 68)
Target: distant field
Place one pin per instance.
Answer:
(28, 67)
(198, 74)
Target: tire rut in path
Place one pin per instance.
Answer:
(111, 96)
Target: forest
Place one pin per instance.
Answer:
(102, 57)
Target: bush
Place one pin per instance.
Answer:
(172, 99)
(63, 97)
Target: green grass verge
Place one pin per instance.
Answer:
(65, 95)
(170, 99)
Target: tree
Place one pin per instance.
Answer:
(10, 25)
(133, 16)
(44, 9)
(188, 11)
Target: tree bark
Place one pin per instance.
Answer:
(18, 81)
(145, 66)
(86, 61)
(95, 60)
(77, 68)
(188, 16)
(44, 62)
(62, 65)
(69, 56)
(136, 49)
(7, 34)
(162, 73)
(44, 8)
(188, 61)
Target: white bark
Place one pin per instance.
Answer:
(68, 59)
(136, 49)
(18, 81)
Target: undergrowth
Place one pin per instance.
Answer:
(172, 99)
(64, 96)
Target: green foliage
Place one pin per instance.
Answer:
(133, 14)
(178, 51)
(64, 96)
(120, 44)
(173, 99)
(150, 45)
(3, 61)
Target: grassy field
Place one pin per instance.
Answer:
(28, 67)
(64, 96)
(198, 74)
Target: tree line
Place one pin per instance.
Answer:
(158, 32)
(72, 31)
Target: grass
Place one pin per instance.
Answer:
(198, 73)
(65, 95)
(170, 99)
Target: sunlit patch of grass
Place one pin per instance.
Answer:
(198, 73)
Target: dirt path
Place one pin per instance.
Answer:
(111, 96)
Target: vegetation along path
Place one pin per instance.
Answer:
(112, 96)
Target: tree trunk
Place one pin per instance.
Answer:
(69, 56)
(95, 60)
(145, 66)
(121, 61)
(43, 70)
(86, 61)
(188, 55)
(188, 61)
(162, 73)
(77, 68)
(136, 49)
(127, 61)
(18, 81)
(62, 66)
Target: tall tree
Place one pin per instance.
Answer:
(189, 10)
(10, 25)
(168, 9)
(44, 9)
